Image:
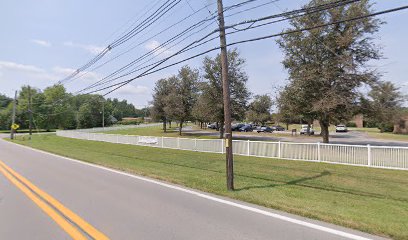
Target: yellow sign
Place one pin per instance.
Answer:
(15, 126)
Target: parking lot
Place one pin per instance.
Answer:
(351, 137)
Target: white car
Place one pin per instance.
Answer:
(341, 128)
(304, 130)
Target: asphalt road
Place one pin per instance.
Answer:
(123, 206)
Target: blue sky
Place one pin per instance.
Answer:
(44, 41)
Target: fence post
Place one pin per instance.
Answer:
(162, 145)
(369, 154)
(248, 150)
(195, 144)
(318, 152)
(279, 150)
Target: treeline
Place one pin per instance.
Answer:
(55, 108)
(198, 95)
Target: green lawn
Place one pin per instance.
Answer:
(371, 200)
(157, 131)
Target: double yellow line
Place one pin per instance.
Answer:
(52, 207)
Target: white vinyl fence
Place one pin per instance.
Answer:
(114, 128)
(360, 155)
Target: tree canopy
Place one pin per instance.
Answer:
(327, 65)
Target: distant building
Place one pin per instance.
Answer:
(358, 120)
(138, 119)
(401, 127)
(131, 119)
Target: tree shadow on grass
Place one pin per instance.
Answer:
(293, 182)
(278, 183)
(301, 183)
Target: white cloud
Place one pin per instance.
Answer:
(133, 90)
(94, 49)
(41, 42)
(152, 45)
(12, 66)
(85, 75)
(11, 70)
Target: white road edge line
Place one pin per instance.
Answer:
(215, 199)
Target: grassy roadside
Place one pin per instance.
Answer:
(371, 200)
(157, 131)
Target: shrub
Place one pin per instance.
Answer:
(351, 124)
(387, 127)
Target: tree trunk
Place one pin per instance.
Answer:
(324, 125)
(164, 125)
(221, 130)
(169, 123)
(180, 127)
(287, 126)
(308, 127)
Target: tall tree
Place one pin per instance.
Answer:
(183, 95)
(385, 104)
(260, 109)
(201, 111)
(57, 111)
(212, 87)
(327, 65)
(90, 112)
(4, 101)
(160, 93)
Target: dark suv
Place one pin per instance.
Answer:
(236, 127)
(246, 128)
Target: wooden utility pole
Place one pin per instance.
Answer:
(30, 112)
(227, 101)
(103, 113)
(13, 116)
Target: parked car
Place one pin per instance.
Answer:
(256, 128)
(278, 128)
(341, 128)
(212, 126)
(237, 126)
(304, 130)
(246, 128)
(264, 129)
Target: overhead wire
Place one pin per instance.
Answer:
(160, 12)
(121, 84)
(290, 13)
(142, 42)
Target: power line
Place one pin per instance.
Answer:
(144, 41)
(161, 11)
(288, 15)
(121, 84)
